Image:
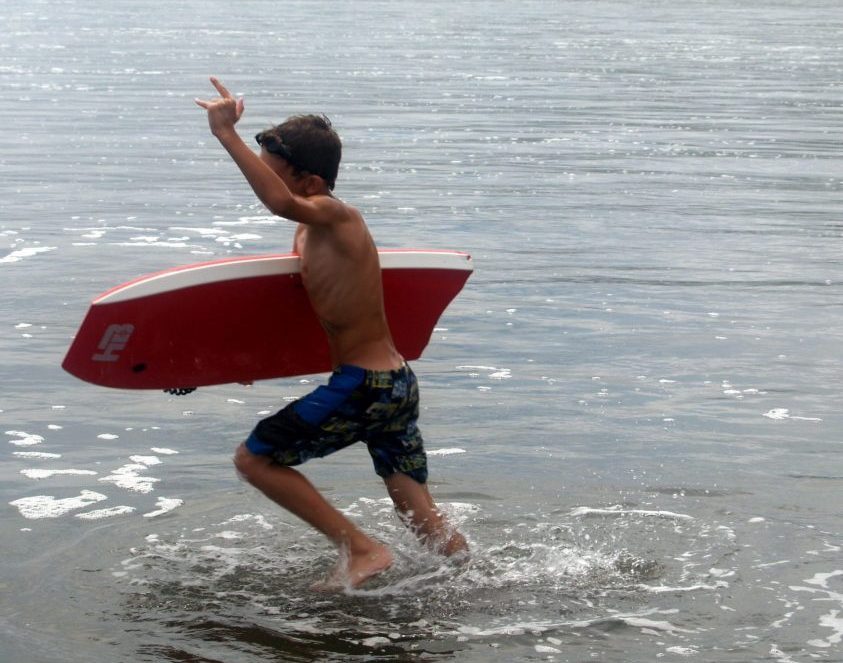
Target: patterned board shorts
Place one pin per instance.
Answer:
(380, 408)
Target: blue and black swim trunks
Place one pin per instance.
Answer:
(380, 408)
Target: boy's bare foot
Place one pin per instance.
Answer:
(455, 546)
(356, 567)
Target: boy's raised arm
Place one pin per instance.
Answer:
(223, 114)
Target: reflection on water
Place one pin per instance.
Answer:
(633, 407)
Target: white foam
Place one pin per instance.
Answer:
(503, 374)
(163, 452)
(721, 573)
(375, 641)
(145, 460)
(46, 474)
(99, 514)
(24, 439)
(108, 436)
(520, 628)
(507, 629)
(777, 413)
(245, 517)
(445, 452)
(617, 510)
(238, 238)
(36, 454)
(769, 564)
(248, 220)
(650, 624)
(203, 232)
(834, 621)
(47, 506)
(783, 413)
(127, 477)
(165, 505)
(20, 254)
(664, 589)
(682, 651)
(494, 372)
(228, 534)
(821, 579)
(152, 240)
(833, 618)
(779, 655)
(545, 649)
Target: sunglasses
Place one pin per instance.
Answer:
(275, 145)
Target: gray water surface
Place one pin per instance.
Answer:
(632, 410)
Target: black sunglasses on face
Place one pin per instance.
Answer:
(275, 145)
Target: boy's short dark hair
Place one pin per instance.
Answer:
(308, 143)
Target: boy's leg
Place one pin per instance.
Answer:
(292, 490)
(418, 510)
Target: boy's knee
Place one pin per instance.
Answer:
(247, 463)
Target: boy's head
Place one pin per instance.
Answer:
(308, 143)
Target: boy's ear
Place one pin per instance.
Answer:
(314, 184)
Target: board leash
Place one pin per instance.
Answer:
(183, 391)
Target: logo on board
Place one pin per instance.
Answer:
(113, 342)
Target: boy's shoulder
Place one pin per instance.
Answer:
(331, 203)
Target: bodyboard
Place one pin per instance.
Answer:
(244, 319)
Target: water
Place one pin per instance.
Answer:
(633, 406)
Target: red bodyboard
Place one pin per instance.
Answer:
(244, 319)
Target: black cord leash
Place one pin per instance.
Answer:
(183, 391)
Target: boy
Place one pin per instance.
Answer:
(372, 394)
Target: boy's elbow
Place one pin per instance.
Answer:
(279, 207)
(276, 211)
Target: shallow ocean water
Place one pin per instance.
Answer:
(632, 410)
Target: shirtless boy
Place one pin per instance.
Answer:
(372, 395)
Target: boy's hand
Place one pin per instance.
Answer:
(224, 111)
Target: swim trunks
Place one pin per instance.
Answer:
(380, 408)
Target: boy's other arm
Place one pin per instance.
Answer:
(223, 114)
